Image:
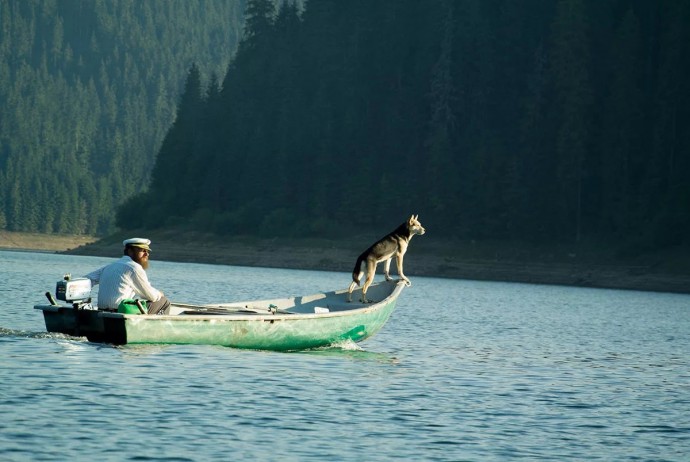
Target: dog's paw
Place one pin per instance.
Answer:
(407, 282)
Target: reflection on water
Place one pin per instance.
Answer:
(463, 370)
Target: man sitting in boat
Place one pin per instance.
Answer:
(126, 279)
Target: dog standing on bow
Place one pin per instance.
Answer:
(392, 245)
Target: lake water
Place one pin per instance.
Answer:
(463, 370)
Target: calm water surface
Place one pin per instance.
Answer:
(463, 370)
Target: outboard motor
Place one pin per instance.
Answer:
(76, 291)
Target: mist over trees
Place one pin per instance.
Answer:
(88, 90)
(562, 121)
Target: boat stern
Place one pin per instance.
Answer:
(82, 322)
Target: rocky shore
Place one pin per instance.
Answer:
(665, 272)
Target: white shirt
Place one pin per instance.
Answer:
(122, 279)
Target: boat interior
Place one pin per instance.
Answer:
(326, 302)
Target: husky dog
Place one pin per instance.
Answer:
(392, 245)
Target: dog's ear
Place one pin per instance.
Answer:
(411, 219)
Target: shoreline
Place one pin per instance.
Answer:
(664, 272)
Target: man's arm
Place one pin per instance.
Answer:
(95, 276)
(143, 287)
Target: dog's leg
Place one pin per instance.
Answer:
(386, 269)
(371, 270)
(399, 262)
(349, 291)
(355, 283)
(357, 274)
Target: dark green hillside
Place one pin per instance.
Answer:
(561, 122)
(88, 89)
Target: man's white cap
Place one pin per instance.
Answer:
(137, 242)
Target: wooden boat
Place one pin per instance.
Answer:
(293, 323)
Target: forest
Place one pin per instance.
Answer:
(88, 90)
(562, 122)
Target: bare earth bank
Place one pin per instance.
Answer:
(42, 242)
(662, 271)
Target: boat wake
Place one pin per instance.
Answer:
(16, 333)
(347, 345)
(351, 350)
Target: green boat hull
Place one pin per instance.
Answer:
(278, 332)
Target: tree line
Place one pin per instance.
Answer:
(88, 90)
(561, 121)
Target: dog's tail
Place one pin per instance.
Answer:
(357, 271)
